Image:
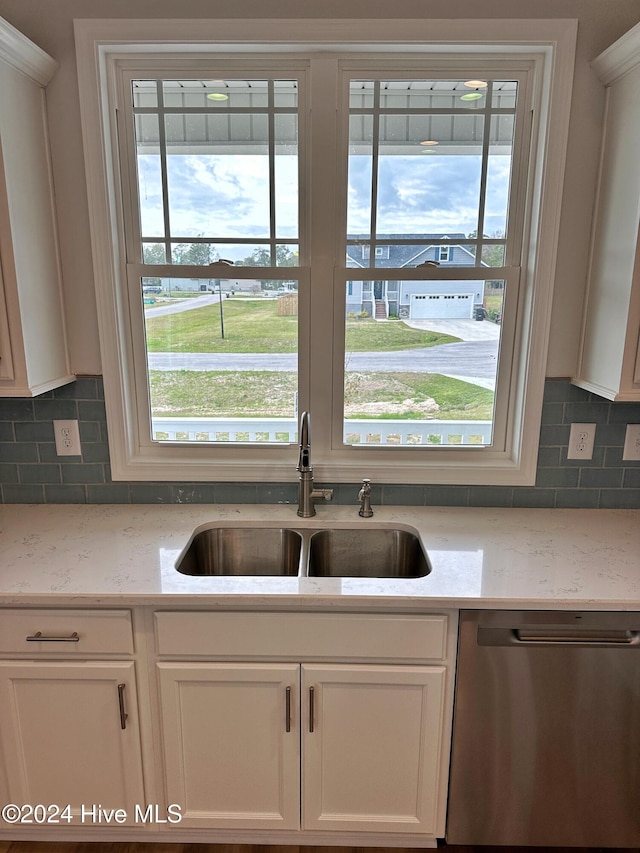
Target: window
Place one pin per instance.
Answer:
(239, 275)
(380, 252)
(216, 165)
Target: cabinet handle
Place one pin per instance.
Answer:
(38, 638)
(287, 710)
(312, 696)
(123, 714)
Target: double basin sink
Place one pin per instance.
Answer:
(366, 552)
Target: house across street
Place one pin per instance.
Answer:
(413, 299)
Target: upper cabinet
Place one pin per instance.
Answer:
(609, 363)
(33, 350)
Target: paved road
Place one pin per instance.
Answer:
(182, 306)
(474, 361)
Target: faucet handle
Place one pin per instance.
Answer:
(364, 496)
(365, 489)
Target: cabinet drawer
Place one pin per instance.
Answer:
(69, 632)
(302, 635)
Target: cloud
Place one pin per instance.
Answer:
(228, 195)
(426, 193)
(218, 195)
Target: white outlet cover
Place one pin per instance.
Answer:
(67, 437)
(581, 439)
(631, 450)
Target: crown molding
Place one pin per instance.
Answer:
(25, 56)
(620, 58)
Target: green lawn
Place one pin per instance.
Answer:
(186, 393)
(254, 326)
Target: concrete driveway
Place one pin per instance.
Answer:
(466, 330)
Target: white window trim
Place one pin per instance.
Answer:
(551, 43)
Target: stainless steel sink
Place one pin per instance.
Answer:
(367, 552)
(226, 551)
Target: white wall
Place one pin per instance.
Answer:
(49, 24)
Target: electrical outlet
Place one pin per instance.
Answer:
(581, 438)
(631, 449)
(67, 438)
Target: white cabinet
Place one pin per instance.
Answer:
(609, 363)
(231, 758)
(356, 743)
(259, 727)
(33, 351)
(69, 730)
(70, 736)
(371, 747)
(365, 740)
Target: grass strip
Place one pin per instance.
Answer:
(236, 394)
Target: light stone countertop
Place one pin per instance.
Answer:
(115, 555)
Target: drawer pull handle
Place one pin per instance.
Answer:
(312, 696)
(39, 638)
(287, 714)
(123, 714)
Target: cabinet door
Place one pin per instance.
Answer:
(65, 736)
(32, 325)
(371, 747)
(232, 743)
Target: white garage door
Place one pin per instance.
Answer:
(432, 306)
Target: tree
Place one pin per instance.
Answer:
(153, 253)
(196, 254)
(262, 258)
(492, 253)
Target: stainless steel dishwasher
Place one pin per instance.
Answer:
(546, 737)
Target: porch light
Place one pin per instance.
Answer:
(217, 96)
(476, 95)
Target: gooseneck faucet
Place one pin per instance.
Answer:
(306, 493)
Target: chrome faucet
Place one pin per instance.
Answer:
(364, 496)
(306, 493)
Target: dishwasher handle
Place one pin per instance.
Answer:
(554, 635)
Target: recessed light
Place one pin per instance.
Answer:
(476, 84)
(430, 142)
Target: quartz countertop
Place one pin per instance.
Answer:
(81, 555)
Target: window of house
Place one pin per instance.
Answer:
(380, 252)
(237, 236)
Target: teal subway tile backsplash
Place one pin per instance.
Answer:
(32, 472)
(64, 494)
(16, 493)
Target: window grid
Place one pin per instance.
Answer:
(376, 112)
(161, 111)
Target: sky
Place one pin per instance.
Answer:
(228, 195)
